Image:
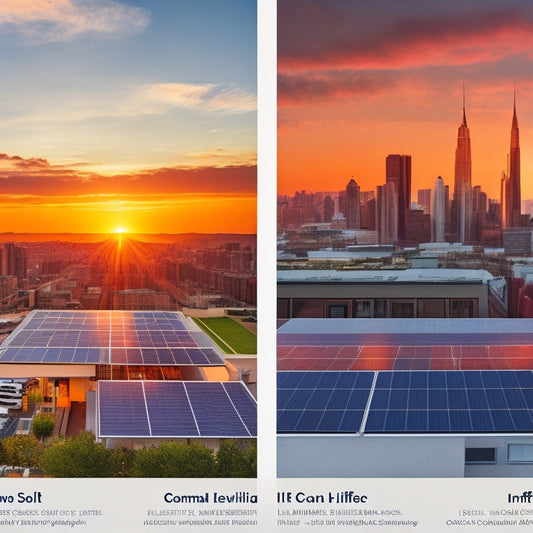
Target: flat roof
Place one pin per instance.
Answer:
(175, 409)
(411, 275)
(147, 338)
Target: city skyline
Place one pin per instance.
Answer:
(389, 80)
(134, 114)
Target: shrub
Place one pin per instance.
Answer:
(42, 425)
(172, 459)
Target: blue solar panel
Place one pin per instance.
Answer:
(322, 401)
(169, 410)
(453, 401)
(176, 409)
(111, 337)
(214, 412)
(406, 402)
(244, 404)
(122, 409)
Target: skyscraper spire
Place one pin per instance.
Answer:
(514, 197)
(515, 119)
(462, 193)
(464, 107)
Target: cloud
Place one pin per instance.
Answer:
(308, 87)
(177, 94)
(339, 51)
(36, 178)
(368, 39)
(208, 97)
(44, 21)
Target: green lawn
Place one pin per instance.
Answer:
(233, 335)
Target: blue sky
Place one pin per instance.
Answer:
(135, 114)
(124, 85)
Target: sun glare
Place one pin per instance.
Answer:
(120, 230)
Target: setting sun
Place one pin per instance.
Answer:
(120, 230)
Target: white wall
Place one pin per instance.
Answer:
(357, 456)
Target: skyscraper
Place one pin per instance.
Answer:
(398, 170)
(329, 208)
(462, 194)
(438, 213)
(387, 213)
(352, 206)
(514, 174)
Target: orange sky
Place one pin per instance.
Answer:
(36, 196)
(358, 81)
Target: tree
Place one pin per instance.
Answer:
(22, 450)
(42, 425)
(250, 457)
(230, 460)
(123, 460)
(172, 459)
(78, 457)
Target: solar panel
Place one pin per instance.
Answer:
(122, 409)
(405, 402)
(322, 401)
(109, 337)
(452, 401)
(176, 409)
(399, 344)
(169, 410)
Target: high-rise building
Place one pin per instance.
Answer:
(513, 212)
(424, 200)
(387, 213)
(418, 227)
(438, 212)
(352, 206)
(398, 172)
(21, 263)
(8, 259)
(462, 194)
(329, 208)
(368, 210)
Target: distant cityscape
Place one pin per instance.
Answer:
(387, 215)
(118, 272)
(442, 232)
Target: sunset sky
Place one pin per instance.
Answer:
(359, 80)
(138, 114)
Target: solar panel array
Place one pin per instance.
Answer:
(176, 409)
(406, 402)
(108, 337)
(397, 344)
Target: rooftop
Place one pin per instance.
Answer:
(411, 275)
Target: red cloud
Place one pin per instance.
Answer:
(20, 176)
(344, 35)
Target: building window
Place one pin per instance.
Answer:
(520, 453)
(308, 308)
(480, 456)
(432, 308)
(337, 311)
(363, 309)
(402, 309)
(380, 308)
(462, 309)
